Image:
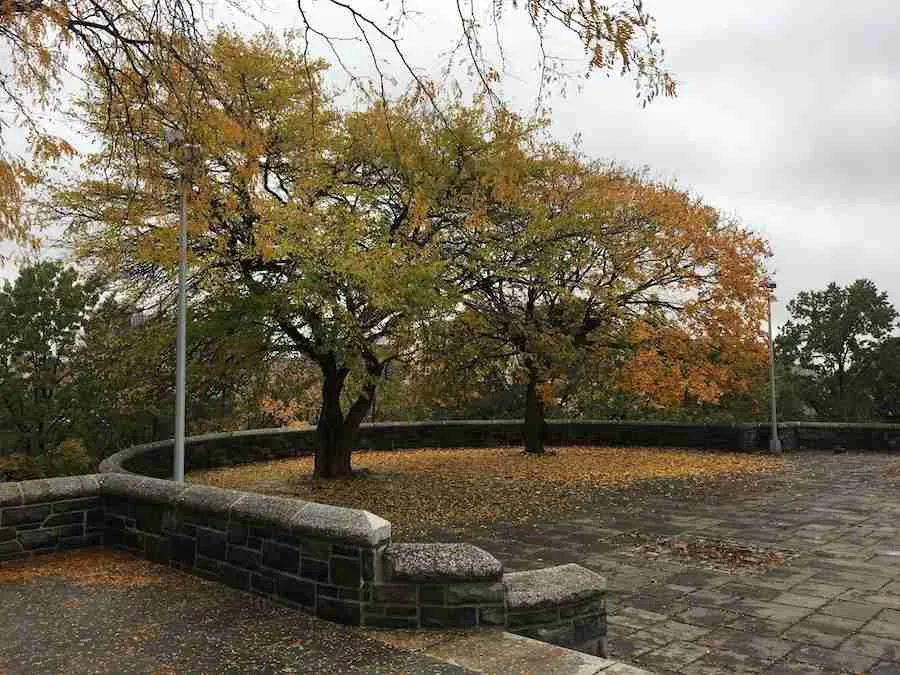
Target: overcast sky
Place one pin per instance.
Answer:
(788, 116)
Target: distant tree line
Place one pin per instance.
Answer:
(839, 355)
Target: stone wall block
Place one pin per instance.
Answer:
(262, 584)
(395, 622)
(533, 617)
(432, 594)
(398, 594)
(469, 594)
(449, 617)
(183, 548)
(22, 515)
(211, 543)
(244, 557)
(492, 616)
(346, 571)
(59, 489)
(314, 569)
(281, 556)
(590, 607)
(341, 611)
(35, 539)
(82, 504)
(66, 518)
(295, 589)
(236, 577)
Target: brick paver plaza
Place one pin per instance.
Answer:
(834, 606)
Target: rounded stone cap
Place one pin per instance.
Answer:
(552, 586)
(437, 563)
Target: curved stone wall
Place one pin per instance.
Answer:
(334, 562)
(224, 449)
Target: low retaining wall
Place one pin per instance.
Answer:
(257, 445)
(50, 515)
(336, 563)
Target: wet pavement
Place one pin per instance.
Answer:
(832, 606)
(103, 611)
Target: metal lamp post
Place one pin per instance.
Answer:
(186, 154)
(774, 441)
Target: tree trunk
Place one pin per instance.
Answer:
(534, 417)
(333, 452)
(336, 432)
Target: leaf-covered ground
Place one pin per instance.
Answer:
(89, 567)
(728, 556)
(427, 489)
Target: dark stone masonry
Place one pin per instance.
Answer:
(333, 562)
(259, 445)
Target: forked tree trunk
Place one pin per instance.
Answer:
(336, 432)
(534, 417)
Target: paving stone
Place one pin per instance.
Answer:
(711, 597)
(749, 646)
(823, 630)
(890, 616)
(709, 617)
(833, 659)
(873, 645)
(882, 600)
(771, 611)
(676, 630)
(636, 619)
(628, 647)
(884, 628)
(792, 667)
(674, 656)
(819, 589)
(761, 627)
(752, 592)
(850, 610)
(725, 661)
(799, 600)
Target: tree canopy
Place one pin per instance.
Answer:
(571, 262)
(129, 45)
(835, 335)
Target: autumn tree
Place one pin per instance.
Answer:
(44, 43)
(121, 40)
(835, 335)
(573, 262)
(324, 229)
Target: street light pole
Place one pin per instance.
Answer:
(185, 157)
(181, 337)
(774, 441)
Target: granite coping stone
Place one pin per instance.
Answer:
(258, 509)
(440, 563)
(10, 494)
(336, 522)
(58, 489)
(352, 526)
(551, 587)
(207, 499)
